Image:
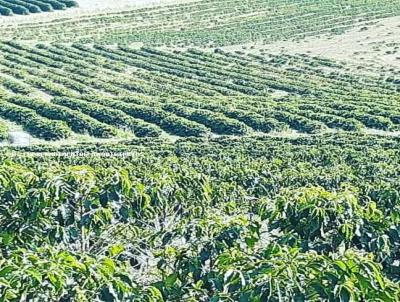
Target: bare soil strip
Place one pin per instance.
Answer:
(87, 8)
(374, 44)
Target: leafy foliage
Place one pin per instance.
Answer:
(25, 7)
(222, 220)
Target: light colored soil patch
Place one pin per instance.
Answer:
(117, 4)
(382, 132)
(86, 8)
(41, 95)
(17, 136)
(375, 43)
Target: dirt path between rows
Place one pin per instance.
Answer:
(88, 7)
(375, 44)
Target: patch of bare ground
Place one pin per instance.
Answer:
(41, 95)
(382, 132)
(87, 8)
(374, 44)
(16, 135)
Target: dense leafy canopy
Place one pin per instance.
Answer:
(224, 220)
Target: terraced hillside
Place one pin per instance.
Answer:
(209, 22)
(26, 7)
(113, 92)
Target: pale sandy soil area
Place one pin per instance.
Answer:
(375, 44)
(117, 4)
(89, 7)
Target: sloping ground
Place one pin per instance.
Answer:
(110, 92)
(102, 5)
(204, 175)
(23, 7)
(84, 8)
(374, 46)
(210, 22)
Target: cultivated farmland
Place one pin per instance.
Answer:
(26, 7)
(109, 92)
(200, 151)
(209, 23)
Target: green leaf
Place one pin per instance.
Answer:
(156, 294)
(55, 280)
(344, 295)
(342, 265)
(115, 250)
(251, 241)
(6, 270)
(108, 266)
(171, 279)
(35, 274)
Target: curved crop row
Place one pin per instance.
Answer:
(45, 7)
(32, 8)
(25, 7)
(218, 123)
(5, 11)
(36, 125)
(167, 121)
(110, 116)
(367, 119)
(41, 83)
(144, 67)
(68, 3)
(299, 123)
(15, 86)
(330, 120)
(317, 101)
(258, 20)
(252, 119)
(56, 4)
(15, 8)
(77, 121)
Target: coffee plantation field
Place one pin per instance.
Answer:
(174, 152)
(26, 7)
(311, 219)
(208, 22)
(107, 92)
